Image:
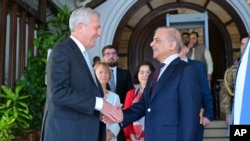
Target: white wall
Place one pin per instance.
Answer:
(243, 9)
(111, 13)
(113, 10)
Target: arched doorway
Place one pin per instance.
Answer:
(136, 29)
(132, 36)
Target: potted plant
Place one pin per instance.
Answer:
(14, 113)
(33, 78)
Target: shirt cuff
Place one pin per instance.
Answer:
(98, 103)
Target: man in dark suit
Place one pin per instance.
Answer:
(74, 95)
(172, 107)
(206, 112)
(122, 77)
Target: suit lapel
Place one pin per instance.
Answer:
(83, 62)
(118, 77)
(165, 75)
(79, 56)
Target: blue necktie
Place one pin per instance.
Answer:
(112, 84)
(86, 56)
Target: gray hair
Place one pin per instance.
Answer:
(81, 14)
(173, 35)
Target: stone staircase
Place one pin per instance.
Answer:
(216, 131)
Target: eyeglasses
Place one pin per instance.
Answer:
(113, 54)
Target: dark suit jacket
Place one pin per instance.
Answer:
(207, 99)
(124, 83)
(70, 113)
(172, 109)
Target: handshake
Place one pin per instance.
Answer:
(111, 114)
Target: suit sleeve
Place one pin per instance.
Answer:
(207, 98)
(135, 112)
(128, 103)
(190, 104)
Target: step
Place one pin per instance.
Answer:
(220, 133)
(216, 131)
(216, 139)
(217, 124)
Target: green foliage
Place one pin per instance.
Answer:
(56, 31)
(14, 113)
(6, 125)
(33, 77)
(33, 81)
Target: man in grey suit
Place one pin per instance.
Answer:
(74, 100)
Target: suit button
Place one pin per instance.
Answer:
(149, 109)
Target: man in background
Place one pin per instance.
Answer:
(121, 79)
(240, 109)
(185, 38)
(206, 112)
(199, 52)
(228, 88)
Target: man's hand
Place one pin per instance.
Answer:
(227, 120)
(109, 135)
(209, 77)
(110, 113)
(205, 121)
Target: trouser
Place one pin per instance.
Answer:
(121, 136)
(200, 133)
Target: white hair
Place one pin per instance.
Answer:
(81, 14)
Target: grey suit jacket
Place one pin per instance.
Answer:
(70, 113)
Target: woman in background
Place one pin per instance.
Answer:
(102, 72)
(135, 131)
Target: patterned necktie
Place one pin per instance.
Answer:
(86, 56)
(112, 84)
(156, 75)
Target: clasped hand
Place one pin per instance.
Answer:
(111, 114)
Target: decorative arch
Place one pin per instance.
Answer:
(137, 46)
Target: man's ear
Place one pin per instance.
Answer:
(80, 26)
(173, 45)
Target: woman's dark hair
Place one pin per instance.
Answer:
(135, 77)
